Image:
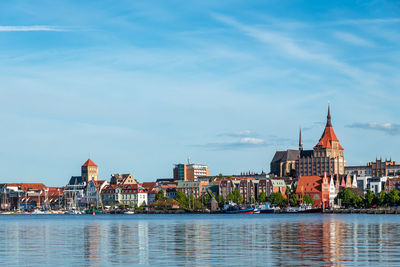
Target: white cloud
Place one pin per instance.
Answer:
(32, 28)
(366, 21)
(352, 39)
(389, 128)
(251, 140)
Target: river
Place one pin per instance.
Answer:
(200, 240)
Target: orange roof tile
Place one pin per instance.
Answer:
(89, 162)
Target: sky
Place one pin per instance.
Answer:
(138, 86)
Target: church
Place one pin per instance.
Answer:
(327, 157)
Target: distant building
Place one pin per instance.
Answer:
(191, 187)
(133, 195)
(89, 171)
(379, 168)
(326, 157)
(392, 183)
(122, 179)
(375, 184)
(284, 162)
(189, 172)
(317, 187)
(93, 192)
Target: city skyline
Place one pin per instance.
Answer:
(138, 87)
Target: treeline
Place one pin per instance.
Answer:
(347, 199)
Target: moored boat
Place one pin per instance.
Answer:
(240, 211)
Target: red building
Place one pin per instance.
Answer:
(317, 187)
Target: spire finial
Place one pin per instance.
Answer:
(300, 141)
(328, 121)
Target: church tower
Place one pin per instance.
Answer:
(89, 171)
(326, 157)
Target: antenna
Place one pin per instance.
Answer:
(188, 159)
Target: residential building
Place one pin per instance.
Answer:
(375, 184)
(191, 187)
(74, 193)
(122, 179)
(378, 168)
(93, 192)
(152, 191)
(189, 172)
(326, 157)
(392, 183)
(133, 195)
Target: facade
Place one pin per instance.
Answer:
(122, 179)
(152, 191)
(317, 187)
(276, 186)
(191, 187)
(326, 157)
(93, 192)
(392, 183)
(89, 171)
(375, 184)
(74, 193)
(379, 168)
(190, 172)
(133, 195)
(284, 162)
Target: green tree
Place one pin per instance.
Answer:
(262, 197)
(346, 197)
(380, 199)
(393, 197)
(237, 196)
(277, 198)
(182, 199)
(293, 200)
(308, 200)
(230, 197)
(160, 195)
(221, 201)
(357, 201)
(369, 199)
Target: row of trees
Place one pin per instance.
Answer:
(347, 198)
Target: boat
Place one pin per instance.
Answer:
(240, 211)
(129, 212)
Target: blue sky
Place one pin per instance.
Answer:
(141, 85)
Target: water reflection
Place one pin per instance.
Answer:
(200, 240)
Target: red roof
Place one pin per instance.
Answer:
(28, 186)
(327, 137)
(89, 162)
(308, 184)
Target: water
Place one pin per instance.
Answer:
(199, 240)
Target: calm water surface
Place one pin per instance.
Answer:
(204, 240)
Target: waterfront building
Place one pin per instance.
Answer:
(379, 168)
(122, 179)
(284, 162)
(247, 187)
(190, 171)
(317, 187)
(132, 195)
(326, 157)
(191, 187)
(93, 192)
(375, 184)
(152, 191)
(74, 193)
(392, 183)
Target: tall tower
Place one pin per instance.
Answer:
(89, 171)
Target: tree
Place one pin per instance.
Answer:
(262, 197)
(380, 199)
(221, 201)
(393, 197)
(276, 198)
(237, 196)
(230, 197)
(346, 197)
(369, 199)
(357, 201)
(308, 200)
(293, 200)
(182, 199)
(160, 195)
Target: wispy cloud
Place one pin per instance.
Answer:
(33, 28)
(242, 143)
(388, 128)
(290, 48)
(352, 39)
(365, 21)
(237, 134)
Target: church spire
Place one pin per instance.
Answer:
(300, 141)
(328, 121)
